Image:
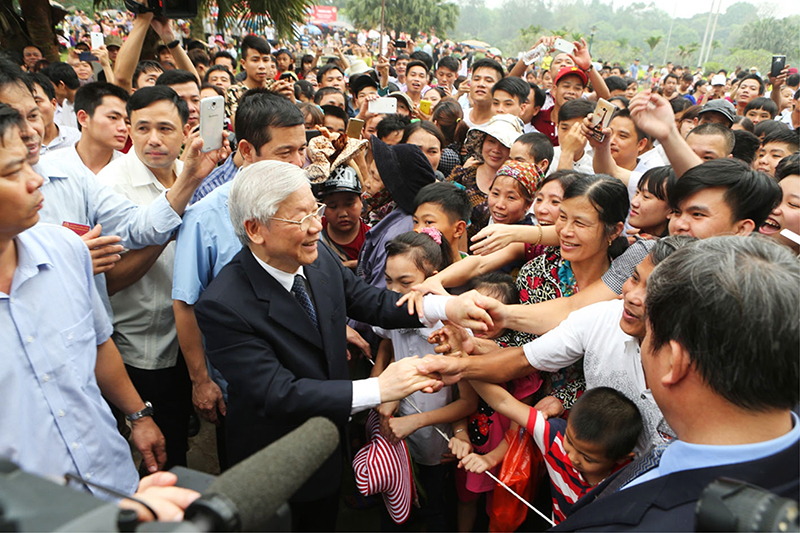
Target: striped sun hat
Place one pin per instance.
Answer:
(381, 466)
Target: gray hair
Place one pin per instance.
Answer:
(258, 191)
(732, 303)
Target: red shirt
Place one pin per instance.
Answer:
(543, 124)
(352, 248)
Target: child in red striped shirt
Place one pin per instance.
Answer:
(598, 439)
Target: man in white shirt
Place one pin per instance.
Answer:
(55, 136)
(66, 84)
(144, 324)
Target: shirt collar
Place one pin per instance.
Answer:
(681, 455)
(286, 279)
(31, 256)
(143, 176)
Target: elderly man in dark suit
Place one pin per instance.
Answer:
(274, 325)
(720, 357)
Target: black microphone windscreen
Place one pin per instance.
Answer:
(263, 482)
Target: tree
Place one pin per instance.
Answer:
(411, 16)
(652, 42)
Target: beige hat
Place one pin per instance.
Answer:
(505, 128)
(357, 67)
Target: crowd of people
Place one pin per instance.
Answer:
(448, 242)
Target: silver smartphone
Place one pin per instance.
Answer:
(384, 105)
(601, 118)
(212, 122)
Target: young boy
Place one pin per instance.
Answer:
(534, 148)
(598, 439)
(446, 207)
(774, 147)
(573, 152)
(760, 109)
(510, 95)
(342, 228)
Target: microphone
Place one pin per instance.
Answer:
(249, 494)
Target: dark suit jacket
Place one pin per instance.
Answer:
(667, 503)
(280, 369)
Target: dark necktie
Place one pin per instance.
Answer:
(300, 293)
(644, 463)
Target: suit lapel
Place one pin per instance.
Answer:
(319, 281)
(283, 307)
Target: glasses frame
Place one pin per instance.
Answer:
(305, 222)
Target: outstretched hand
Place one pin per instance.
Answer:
(653, 114)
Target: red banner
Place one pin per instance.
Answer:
(323, 14)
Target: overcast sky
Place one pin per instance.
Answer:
(692, 7)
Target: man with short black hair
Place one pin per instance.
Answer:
(55, 136)
(187, 86)
(331, 75)
(255, 61)
(567, 85)
(510, 95)
(616, 85)
(225, 59)
(775, 146)
(485, 73)
(711, 141)
(670, 88)
(416, 81)
(31, 55)
(446, 74)
(66, 83)
(330, 96)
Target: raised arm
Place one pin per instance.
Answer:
(128, 55)
(583, 61)
(163, 28)
(653, 113)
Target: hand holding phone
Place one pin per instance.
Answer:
(212, 122)
(562, 45)
(601, 118)
(385, 105)
(778, 64)
(97, 39)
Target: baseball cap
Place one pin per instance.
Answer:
(342, 179)
(722, 107)
(571, 71)
(113, 40)
(718, 79)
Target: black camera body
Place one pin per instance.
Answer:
(171, 9)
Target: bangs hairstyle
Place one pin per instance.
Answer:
(539, 146)
(259, 111)
(422, 250)
(91, 95)
(428, 127)
(788, 166)
(657, 181)
(606, 417)
(497, 285)
(451, 199)
(609, 197)
(564, 177)
(142, 67)
(259, 44)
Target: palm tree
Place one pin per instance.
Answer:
(652, 42)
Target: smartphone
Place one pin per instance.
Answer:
(97, 39)
(399, 44)
(383, 106)
(354, 128)
(601, 118)
(310, 134)
(87, 56)
(212, 122)
(778, 64)
(327, 51)
(425, 106)
(563, 45)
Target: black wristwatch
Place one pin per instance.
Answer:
(173, 44)
(147, 411)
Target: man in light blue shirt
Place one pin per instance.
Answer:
(60, 359)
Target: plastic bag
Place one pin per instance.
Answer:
(521, 473)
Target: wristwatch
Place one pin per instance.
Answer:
(147, 411)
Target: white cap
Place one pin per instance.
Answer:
(718, 79)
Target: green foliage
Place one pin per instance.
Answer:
(412, 16)
(622, 31)
(283, 13)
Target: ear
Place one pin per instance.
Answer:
(625, 458)
(83, 118)
(187, 129)
(247, 150)
(523, 107)
(618, 229)
(679, 364)
(641, 145)
(252, 226)
(744, 227)
(544, 164)
(461, 227)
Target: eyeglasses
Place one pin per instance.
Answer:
(305, 222)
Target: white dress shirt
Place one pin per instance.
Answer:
(144, 324)
(366, 392)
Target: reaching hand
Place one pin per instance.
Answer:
(452, 339)
(475, 311)
(403, 378)
(446, 368)
(476, 463)
(402, 427)
(105, 251)
(574, 141)
(102, 56)
(163, 27)
(778, 81)
(460, 447)
(550, 407)
(493, 238)
(581, 55)
(353, 337)
(160, 493)
(653, 114)
(587, 130)
(199, 164)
